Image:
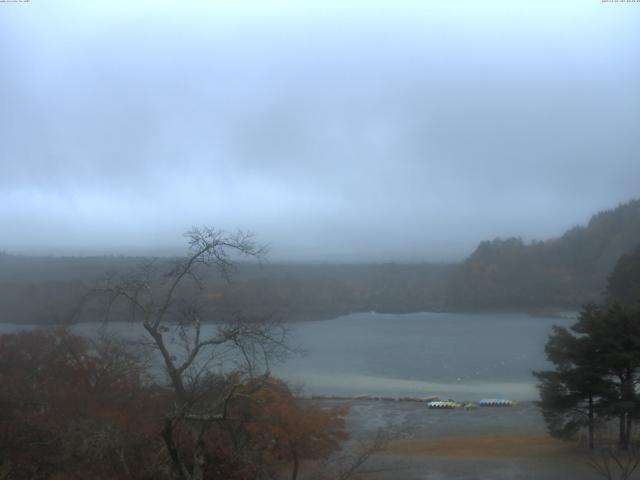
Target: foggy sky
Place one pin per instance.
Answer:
(355, 130)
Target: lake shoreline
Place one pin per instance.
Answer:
(497, 444)
(559, 312)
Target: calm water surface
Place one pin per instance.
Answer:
(462, 356)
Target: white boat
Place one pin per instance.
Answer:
(444, 404)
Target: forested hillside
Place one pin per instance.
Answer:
(623, 286)
(566, 271)
(45, 290)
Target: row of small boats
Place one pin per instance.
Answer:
(432, 402)
(487, 402)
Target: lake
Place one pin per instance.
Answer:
(452, 355)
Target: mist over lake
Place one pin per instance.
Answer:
(304, 240)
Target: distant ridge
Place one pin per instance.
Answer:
(501, 274)
(563, 272)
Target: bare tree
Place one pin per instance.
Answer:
(168, 301)
(352, 465)
(349, 464)
(614, 463)
(609, 459)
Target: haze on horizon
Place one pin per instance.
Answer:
(378, 130)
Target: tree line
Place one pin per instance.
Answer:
(568, 271)
(504, 273)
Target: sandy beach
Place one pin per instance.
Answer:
(505, 446)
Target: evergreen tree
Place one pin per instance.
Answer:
(597, 369)
(576, 394)
(614, 332)
(623, 286)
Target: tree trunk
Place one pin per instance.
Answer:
(296, 465)
(626, 418)
(591, 422)
(199, 460)
(621, 436)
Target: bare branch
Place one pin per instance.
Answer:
(161, 296)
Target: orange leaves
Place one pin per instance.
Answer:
(73, 407)
(292, 429)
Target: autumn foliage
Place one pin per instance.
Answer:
(72, 408)
(285, 430)
(76, 409)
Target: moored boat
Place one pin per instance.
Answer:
(444, 404)
(496, 402)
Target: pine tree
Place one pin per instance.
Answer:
(577, 393)
(597, 370)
